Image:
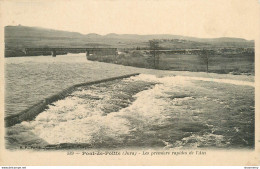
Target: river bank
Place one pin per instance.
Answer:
(236, 63)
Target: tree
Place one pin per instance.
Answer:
(205, 57)
(154, 46)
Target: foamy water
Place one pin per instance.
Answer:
(185, 79)
(168, 113)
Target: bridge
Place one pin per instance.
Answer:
(88, 51)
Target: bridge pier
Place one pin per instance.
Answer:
(87, 52)
(53, 53)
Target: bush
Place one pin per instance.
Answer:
(136, 54)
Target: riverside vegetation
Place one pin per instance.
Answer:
(235, 62)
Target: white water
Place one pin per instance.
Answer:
(77, 120)
(184, 79)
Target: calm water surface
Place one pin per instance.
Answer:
(30, 79)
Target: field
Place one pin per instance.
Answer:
(233, 63)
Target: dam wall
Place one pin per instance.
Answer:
(30, 113)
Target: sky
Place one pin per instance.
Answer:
(197, 18)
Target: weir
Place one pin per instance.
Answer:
(30, 113)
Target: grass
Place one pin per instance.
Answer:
(135, 59)
(235, 64)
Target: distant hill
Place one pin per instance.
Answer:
(18, 37)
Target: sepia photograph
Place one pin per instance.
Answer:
(129, 79)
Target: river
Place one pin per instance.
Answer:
(164, 109)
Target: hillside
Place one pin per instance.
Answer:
(19, 37)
